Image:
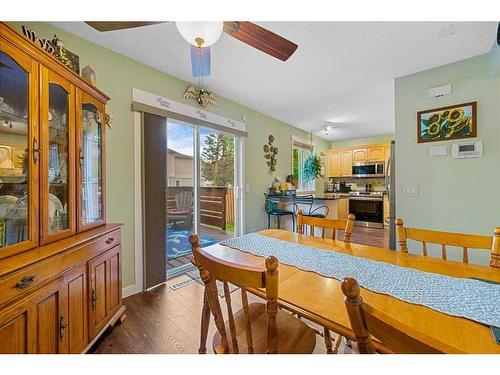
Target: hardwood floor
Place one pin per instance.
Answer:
(369, 236)
(168, 321)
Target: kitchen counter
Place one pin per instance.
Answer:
(334, 205)
(320, 196)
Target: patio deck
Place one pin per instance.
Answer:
(218, 234)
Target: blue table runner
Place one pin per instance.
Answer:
(467, 298)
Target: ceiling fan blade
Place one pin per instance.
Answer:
(119, 25)
(200, 61)
(260, 38)
(498, 34)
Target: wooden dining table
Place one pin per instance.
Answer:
(320, 299)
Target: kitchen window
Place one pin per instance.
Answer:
(301, 150)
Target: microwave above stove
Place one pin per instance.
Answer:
(370, 169)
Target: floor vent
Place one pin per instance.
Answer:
(182, 284)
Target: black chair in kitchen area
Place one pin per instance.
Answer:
(276, 205)
(305, 203)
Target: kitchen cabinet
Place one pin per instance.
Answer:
(340, 163)
(343, 208)
(346, 163)
(335, 164)
(368, 154)
(375, 153)
(359, 155)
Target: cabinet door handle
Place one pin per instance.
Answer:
(110, 240)
(62, 327)
(25, 282)
(36, 151)
(94, 299)
(81, 157)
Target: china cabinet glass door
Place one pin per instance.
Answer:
(91, 130)
(57, 142)
(18, 151)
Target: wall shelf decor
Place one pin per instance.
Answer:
(270, 154)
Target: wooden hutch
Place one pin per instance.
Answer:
(60, 263)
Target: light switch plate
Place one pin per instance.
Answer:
(247, 188)
(439, 150)
(410, 190)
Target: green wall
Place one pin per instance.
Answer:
(379, 139)
(116, 76)
(495, 61)
(459, 195)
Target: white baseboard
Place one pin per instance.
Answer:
(130, 291)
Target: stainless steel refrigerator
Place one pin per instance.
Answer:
(390, 186)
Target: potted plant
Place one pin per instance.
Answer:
(312, 167)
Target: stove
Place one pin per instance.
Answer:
(368, 208)
(367, 194)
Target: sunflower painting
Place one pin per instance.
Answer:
(442, 124)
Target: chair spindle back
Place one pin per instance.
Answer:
(333, 224)
(213, 269)
(395, 337)
(465, 241)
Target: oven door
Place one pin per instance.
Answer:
(369, 212)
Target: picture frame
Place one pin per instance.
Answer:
(447, 123)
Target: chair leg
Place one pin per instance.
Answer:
(293, 223)
(278, 216)
(348, 343)
(268, 221)
(205, 322)
(337, 343)
(328, 340)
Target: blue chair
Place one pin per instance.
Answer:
(274, 207)
(305, 203)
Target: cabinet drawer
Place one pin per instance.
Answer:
(27, 279)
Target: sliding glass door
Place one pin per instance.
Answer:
(216, 192)
(200, 190)
(180, 193)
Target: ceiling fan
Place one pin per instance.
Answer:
(498, 34)
(201, 35)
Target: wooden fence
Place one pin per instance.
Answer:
(230, 206)
(216, 204)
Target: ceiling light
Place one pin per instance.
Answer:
(200, 34)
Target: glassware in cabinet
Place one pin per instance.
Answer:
(58, 162)
(90, 138)
(19, 151)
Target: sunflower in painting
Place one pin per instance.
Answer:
(449, 123)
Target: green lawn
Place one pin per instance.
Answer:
(229, 227)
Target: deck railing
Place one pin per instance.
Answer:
(216, 204)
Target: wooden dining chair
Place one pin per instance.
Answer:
(257, 327)
(465, 241)
(316, 222)
(392, 336)
(334, 224)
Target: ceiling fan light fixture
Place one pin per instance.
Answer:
(200, 34)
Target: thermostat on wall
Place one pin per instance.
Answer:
(463, 150)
